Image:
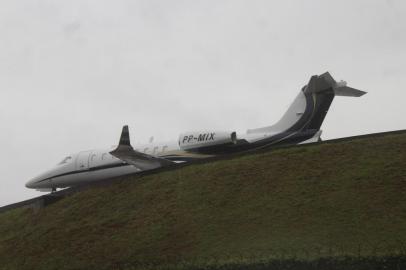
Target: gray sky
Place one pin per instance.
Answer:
(73, 72)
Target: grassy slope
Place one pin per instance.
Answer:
(330, 199)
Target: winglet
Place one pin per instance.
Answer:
(126, 153)
(125, 137)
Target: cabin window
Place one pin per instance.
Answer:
(155, 150)
(93, 157)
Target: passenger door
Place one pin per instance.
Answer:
(82, 162)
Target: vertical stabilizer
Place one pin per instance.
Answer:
(309, 109)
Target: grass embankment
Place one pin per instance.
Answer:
(329, 200)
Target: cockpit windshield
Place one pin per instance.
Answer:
(65, 160)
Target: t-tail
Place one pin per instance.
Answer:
(303, 119)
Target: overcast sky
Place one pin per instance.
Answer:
(73, 72)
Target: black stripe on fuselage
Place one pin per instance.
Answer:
(291, 135)
(98, 168)
(111, 166)
(317, 105)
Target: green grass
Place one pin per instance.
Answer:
(339, 199)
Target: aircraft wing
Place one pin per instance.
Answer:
(126, 153)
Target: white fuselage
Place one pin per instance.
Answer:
(94, 165)
(301, 123)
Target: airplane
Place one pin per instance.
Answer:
(300, 124)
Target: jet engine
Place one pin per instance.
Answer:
(190, 140)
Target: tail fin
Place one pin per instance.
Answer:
(310, 107)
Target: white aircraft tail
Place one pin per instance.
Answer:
(308, 110)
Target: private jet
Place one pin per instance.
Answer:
(300, 124)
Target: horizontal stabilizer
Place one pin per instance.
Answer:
(348, 92)
(324, 82)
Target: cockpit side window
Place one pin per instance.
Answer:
(65, 160)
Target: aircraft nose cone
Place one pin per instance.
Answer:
(30, 183)
(36, 181)
(40, 180)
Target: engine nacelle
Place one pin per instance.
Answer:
(190, 140)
